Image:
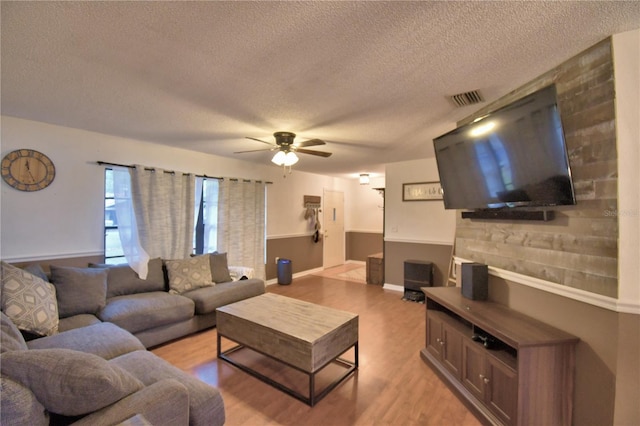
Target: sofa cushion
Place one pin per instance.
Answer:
(104, 339)
(20, 406)
(77, 321)
(206, 406)
(219, 267)
(188, 274)
(122, 280)
(163, 403)
(79, 290)
(207, 300)
(138, 312)
(69, 382)
(10, 337)
(29, 301)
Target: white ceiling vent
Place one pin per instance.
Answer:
(467, 98)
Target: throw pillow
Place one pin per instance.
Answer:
(219, 267)
(79, 290)
(69, 382)
(188, 274)
(20, 406)
(122, 280)
(37, 270)
(28, 301)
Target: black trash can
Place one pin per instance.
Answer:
(284, 271)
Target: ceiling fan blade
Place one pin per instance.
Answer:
(312, 152)
(311, 142)
(259, 140)
(256, 150)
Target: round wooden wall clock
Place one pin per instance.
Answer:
(27, 170)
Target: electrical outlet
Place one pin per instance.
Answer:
(277, 258)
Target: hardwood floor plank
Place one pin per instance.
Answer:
(392, 386)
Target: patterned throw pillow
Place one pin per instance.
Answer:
(29, 301)
(188, 274)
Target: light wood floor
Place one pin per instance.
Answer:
(392, 386)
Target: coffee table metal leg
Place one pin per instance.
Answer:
(313, 397)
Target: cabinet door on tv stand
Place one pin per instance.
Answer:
(473, 368)
(452, 349)
(434, 335)
(502, 392)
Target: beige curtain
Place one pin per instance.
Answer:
(163, 204)
(241, 224)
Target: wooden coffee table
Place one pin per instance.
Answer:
(302, 335)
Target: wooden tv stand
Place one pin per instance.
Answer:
(525, 375)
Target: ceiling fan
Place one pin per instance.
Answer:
(286, 155)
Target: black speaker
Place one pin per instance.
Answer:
(475, 281)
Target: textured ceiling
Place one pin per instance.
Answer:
(370, 78)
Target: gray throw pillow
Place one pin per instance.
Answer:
(68, 382)
(219, 267)
(28, 301)
(20, 406)
(37, 270)
(79, 290)
(122, 280)
(188, 274)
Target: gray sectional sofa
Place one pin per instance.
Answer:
(85, 360)
(97, 375)
(150, 309)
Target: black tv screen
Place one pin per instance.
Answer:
(514, 157)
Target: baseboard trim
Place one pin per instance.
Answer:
(393, 287)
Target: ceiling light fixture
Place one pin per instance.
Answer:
(364, 179)
(286, 159)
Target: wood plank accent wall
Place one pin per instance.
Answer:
(579, 248)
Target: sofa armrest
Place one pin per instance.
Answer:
(236, 272)
(165, 402)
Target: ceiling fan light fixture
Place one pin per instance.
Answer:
(287, 159)
(279, 158)
(290, 158)
(364, 178)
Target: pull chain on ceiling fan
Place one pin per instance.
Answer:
(287, 149)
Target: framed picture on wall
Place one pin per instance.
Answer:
(421, 191)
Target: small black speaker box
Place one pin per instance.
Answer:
(475, 281)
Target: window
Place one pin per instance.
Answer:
(205, 238)
(205, 232)
(113, 253)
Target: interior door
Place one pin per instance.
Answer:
(333, 226)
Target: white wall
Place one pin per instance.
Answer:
(285, 210)
(415, 221)
(66, 219)
(365, 206)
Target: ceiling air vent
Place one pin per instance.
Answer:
(467, 98)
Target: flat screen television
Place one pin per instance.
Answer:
(514, 157)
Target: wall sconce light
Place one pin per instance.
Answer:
(364, 179)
